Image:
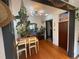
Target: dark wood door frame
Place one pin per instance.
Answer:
(9, 39)
(51, 3)
(71, 33)
(51, 30)
(71, 10)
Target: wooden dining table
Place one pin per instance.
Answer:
(25, 40)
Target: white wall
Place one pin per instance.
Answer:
(16, 35)
(56, 29)
(55, 17)
(74, 3)
(55, 20)
(38, 20)
(2, 52)
(76, 45)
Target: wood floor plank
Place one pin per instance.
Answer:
(47, 51)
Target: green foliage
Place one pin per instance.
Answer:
(42, 30)
(23, 24)
(23, 29)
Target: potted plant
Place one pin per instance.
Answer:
(41, 33)
(23, 25)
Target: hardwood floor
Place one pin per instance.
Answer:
(47, 51)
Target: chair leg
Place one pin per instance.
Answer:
(38, 45)
(36, 49)
(17, 55)
(26, 53)
(30, 51)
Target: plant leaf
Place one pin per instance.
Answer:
(17, 17)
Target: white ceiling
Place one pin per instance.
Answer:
(33, 5)
(74, 3)
(37, 6)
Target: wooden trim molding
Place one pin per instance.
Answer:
(55, 3)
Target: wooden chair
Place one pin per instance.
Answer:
(32, 44)
(21, 49)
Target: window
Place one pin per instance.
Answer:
(33, 26)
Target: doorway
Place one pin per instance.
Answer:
(63, 30)
(49, 35)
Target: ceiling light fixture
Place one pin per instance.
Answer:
(38, 12)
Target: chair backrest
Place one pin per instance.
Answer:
(20, 43)
(32, 40)
(17, 40)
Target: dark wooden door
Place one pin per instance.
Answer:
(63, 34)
(49, 30)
